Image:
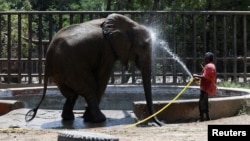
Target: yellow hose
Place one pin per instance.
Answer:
(159, 111)
(10, 129)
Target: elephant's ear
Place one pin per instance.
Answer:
(117, 29)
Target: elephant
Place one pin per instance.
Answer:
(80, 59)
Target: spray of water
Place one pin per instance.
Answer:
(157, 42)
(164, 46)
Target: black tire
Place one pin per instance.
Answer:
(84, 136)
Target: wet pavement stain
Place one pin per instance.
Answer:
(51, 119)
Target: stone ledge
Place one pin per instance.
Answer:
(9, 105)
(188, 110)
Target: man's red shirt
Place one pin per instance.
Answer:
(208, 83)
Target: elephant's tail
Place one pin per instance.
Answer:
(32, 113)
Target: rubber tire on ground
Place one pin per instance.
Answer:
(84, 136)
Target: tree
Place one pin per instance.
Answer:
(14, 5)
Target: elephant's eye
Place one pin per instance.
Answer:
(145, 45)
(148, 42)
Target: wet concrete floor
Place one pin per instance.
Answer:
(51, 119)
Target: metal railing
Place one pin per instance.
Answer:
(24, 38)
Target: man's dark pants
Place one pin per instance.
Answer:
(204, 106)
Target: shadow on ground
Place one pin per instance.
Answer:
(51, 119)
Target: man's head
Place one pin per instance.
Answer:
(209, 57)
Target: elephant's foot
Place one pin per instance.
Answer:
(67, 113)
(68, 116)
(94, 116)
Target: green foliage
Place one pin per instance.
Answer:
(89, 5)
(15, 5)
(68, 5)
(129, 5)
(26, 6)
(199, 5)
(4, 5)
(112, 5)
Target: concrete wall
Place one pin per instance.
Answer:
(188, 110)
(228, 100)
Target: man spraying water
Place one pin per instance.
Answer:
(207, 84)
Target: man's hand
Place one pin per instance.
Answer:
(197, 78)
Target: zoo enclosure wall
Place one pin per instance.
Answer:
(24, 38)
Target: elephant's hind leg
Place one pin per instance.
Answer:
(92, 111)
(69, 104)
(93, 115)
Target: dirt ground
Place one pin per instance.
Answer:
(193, 131)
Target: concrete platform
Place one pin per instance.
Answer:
(51, 119)
(8, 105)
(119, 104)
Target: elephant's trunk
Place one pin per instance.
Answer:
(146, 77)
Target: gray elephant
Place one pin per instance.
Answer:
(80, 59)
